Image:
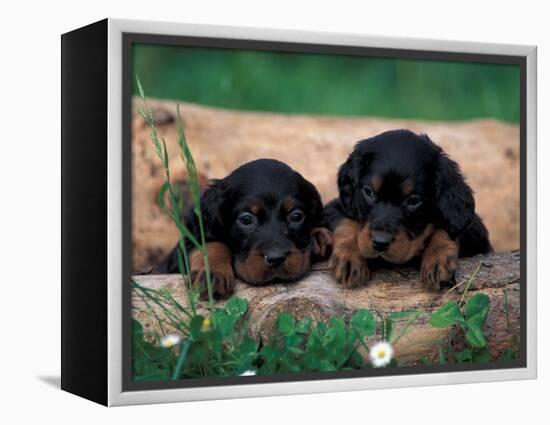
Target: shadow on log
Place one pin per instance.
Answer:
(318, 296)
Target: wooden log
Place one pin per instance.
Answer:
(318, 296)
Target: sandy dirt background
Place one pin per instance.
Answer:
(221, 140)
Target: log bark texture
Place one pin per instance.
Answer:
(319, 296)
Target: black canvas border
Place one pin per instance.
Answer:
(128, 39)
(84, 141)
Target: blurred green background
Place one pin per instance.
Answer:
(329, 84)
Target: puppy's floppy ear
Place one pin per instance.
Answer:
(349, 174)
(211, 210)
(212, 203)
(455, 201)
(346, 183)
(315, 205)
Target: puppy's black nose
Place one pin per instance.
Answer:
(381, 240)
(275, 257)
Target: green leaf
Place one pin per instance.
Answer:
(142, 112)
(224, 322)
(248, 346)
(507, 355)
(285, 323)
(474, 336)
(303, 326)
(296, 350)
(476, 310)
(195, 326)
(162, 194)
(355, 361)
(449, 314)
(166, 158)
(464, 356)
(269, 353)
(140, 88)
(364, 322)
(479, 318)
(336, 337)
(236, 306)
(292, 340)
(215, 339)
(183, 263)
(137, 329)
(325, 366)
(482, 356)
(476, 304)
(387, 326)
(442, 359)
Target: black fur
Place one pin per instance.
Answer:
(447, 202)
(267, 183)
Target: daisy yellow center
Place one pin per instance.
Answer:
(381, 354)
(206, 325)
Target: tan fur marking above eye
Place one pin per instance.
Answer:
(289, 204)
(407, 187)
(376, 183)
(254, 207)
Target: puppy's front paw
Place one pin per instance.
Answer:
(223, 282)
(322, 241)
(438, 268)
(350, 269)
(439, 260)
(221, 271)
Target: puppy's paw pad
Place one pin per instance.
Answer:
(351, 270)
(437, 269)
(223, 283)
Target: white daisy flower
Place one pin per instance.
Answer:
(249, 372)
(170, 340)
(381, 354)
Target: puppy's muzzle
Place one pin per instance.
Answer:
(381, 240)
(384, 225)
(275, 257)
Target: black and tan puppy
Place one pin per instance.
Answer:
(261, 224)
(402, 197)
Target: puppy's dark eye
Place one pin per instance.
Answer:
(247, 219)
(296, 216)
(413, 201)
(369, 193)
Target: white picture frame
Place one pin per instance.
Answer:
(113, 386)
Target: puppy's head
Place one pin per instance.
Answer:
(402, 186)
(266, 213)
